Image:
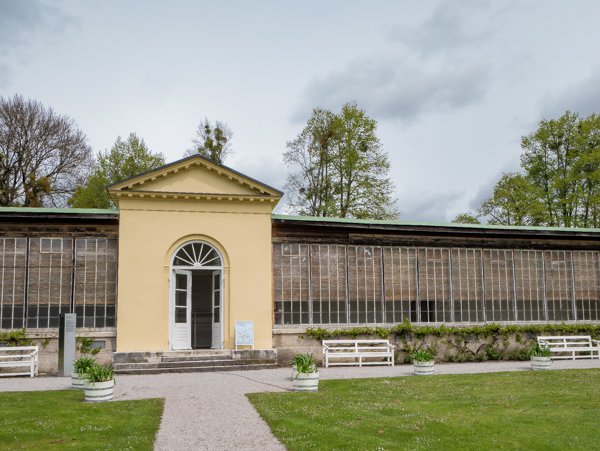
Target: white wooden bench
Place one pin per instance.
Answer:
(358, 352)
(19, 357)
(571, 347)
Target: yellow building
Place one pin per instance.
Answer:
(194, 257)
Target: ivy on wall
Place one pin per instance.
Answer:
(487, 330)
(15, 338)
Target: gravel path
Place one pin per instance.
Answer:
(209, 411)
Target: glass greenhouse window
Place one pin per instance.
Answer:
(333, 284)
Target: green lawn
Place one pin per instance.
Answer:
(523, 410)
(59, 419)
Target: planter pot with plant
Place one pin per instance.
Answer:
(540, 357)
(423, 362)
(99, 383)
(80, 369)
(306, 374)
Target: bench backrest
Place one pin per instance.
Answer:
(353, 342)
(356, 345)
(565, 341)
(11, 349)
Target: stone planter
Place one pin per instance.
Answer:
(98, 391)
(423, 368)
(76, 381)
(540, 363)
(306, 381)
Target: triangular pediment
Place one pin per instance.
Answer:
(194, 176)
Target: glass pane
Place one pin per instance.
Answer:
(216, 315)
(180, 315)
(180, 262)
(217, 298)
(46, 245)
(56, 245)
(181, 281)
(181, 298)
(196, 250)
(211, 259)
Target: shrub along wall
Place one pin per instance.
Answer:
(460, 344)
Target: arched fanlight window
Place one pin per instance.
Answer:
(197, 255)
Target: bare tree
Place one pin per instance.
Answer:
(44, 156)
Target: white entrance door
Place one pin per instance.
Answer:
(217, 311)
(181, 313)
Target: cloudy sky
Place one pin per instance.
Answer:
(452, 84)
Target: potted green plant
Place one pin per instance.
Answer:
(423, 362)
(306, 374)
(540, 357)
(99, 384)
(80, 369)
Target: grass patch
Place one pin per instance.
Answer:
(59, 419)
(521, 410)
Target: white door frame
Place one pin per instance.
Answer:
(179, 328)
(196, 259)
(218, 336)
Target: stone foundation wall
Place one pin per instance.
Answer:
(447, 348)
(289, 342)
(47, 341)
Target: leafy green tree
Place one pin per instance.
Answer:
(561, 158)
(125, 159)
(212, 141)
(466, 218)
(339, 168)
(515, 201)
(549, 160)
(560, 182)
(587, 169)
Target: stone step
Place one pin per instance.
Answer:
(203, 353)
(187, 363)
(195, 358)
(196, 369)
(199, 363)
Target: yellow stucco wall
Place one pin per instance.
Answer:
(201, 180)
(151, 229)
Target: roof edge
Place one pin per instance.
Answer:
(73, 211)
(144, 175)
(381, 222)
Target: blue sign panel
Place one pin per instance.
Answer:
(244, 333)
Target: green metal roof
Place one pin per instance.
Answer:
(431, 224)
(75, 211)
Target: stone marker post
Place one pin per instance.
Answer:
(66, 343)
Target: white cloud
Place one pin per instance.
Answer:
(390, 88)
